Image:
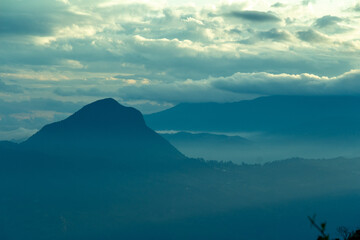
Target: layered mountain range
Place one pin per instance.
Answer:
(103, 174)
(296, 116)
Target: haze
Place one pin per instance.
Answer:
(179, 119)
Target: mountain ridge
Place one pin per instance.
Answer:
(285, 115)
(104, 129)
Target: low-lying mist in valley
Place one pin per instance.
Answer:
(102, 173)
(257, 148)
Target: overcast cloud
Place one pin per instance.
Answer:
(154, 54)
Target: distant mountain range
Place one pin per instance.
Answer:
(211, 146)
(204, 139)
(298, 116)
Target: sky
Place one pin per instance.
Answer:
(58, 55)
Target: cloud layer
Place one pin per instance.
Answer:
(152, 55)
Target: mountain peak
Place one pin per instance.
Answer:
(106, 102)
(103, 129)
(103, 105)
(107, 113)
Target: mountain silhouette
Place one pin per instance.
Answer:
(8, 149)
(104, 129)
(300, 116)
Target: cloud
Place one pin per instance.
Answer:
(327, 21)
(155, 55)
(255, 16)
(15, 116)
(10, 88)
(156, 95)
(290, 84)
(93, 92)
(239, 86)
(356, 8)
(307, 2)
(17, 134)
(162, 42)
(36, 18)
(25, 25)
(333, 24)
(73, 64)
(38, 104)
(275, 35)
(312, 36)
(278, 5)
(177, 92)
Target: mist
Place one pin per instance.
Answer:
(258, 148)
(103, 173)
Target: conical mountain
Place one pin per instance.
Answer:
(104, 130)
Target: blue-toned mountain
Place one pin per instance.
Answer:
(107, 130)
(299, 116)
